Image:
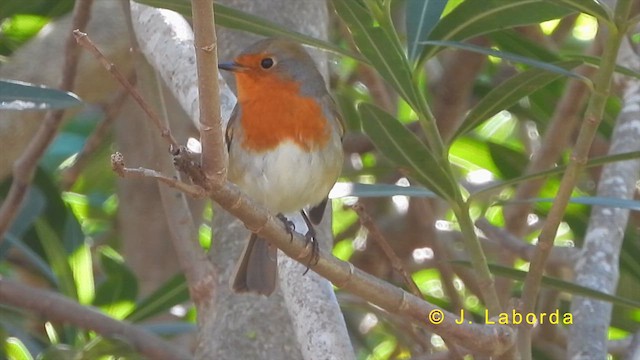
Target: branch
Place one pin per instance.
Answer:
(598, 265)
(214, 156)
(25, 165)
(559, 257)
(55, 307)
(84, 41)
(592, 118)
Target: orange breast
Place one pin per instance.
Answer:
(273, 111)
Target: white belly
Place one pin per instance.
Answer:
(286, 179)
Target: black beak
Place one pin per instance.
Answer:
(231, 66)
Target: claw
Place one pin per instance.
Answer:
(288, 224)
(315, 249)
(311, 238)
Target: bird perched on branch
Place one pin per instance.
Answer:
(285, 146)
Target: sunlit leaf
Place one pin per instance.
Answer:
(590, 7)
(405, 150)
(377, 190)
(509, 92)
(16, 350)
(57, 257)
(117, 294)
(18, 95)
(476, 17)
(81, 264)
(173, 292)
(421, 17)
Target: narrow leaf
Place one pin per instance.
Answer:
(564, 286)
(558, 170)
(510, 92)
(476, 17)
(586, 200)
(550, 67)
(381, 50)
(377, 190)
(18, 95)
(173, 292)
(421, 18)
(57, 257)
(595, 62)
(405, 150)
(239, 20)
(591, 7)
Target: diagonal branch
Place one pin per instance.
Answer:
(56, 307)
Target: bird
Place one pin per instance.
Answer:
(284, 140)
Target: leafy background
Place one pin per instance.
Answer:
(388, 61)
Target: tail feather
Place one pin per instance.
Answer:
(257, 269)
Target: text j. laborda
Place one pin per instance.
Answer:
(512, 317)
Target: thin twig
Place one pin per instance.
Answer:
(55, 307)
(84, 41)
(117, 164)
(214, 161)
(70, 175)
(24, 167)
(376, 234)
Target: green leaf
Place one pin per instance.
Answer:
(381, 49)
(510, 162)
(239, 20)
(561, 285)
(510, 92)
(117, 294)
(377, 190)
(16, 350)
(550, 67)
(172, 328)
(30, 256)
(515, 42)
(586, 200)
(591, 7)
(173, 292)
(595, 62)
(18, 95)
(421, 18)
(405, 150)
(57, 257)
(476, 17)
(81, 264)
(558, 170)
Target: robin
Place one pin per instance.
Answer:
(285, 146)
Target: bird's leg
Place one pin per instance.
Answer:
(288, 225)
(311, 238)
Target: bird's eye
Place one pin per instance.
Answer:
(266, 63)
